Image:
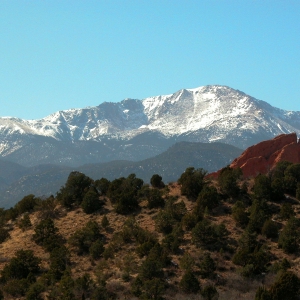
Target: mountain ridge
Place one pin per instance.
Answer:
(211, 113)
(44, 180)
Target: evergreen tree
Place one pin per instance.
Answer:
(91, 202)
(27, 204)
(21, 265)
(286, 211)
(289, 236)
(156, 181)
(239, 214)
(105, 222)
(286, 287)
(189, 283)
(277, 189)
(59, 261)
(102, 185)
(74, 190)
(210, 292)
(208, 197)
(207, 266)
(192, 182)
(228, 181)
(262, 187)
(270, 229)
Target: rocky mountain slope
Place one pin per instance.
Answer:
(264, 156)
(117, 130)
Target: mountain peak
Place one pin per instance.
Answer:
(203, 114)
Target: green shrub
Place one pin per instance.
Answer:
(208, 197)
(259, 213)
(16, 287)
(239, 214)
(27, 204)
(155, 199)
(247, 242)
(289, 236)
(228, 181)
(46, 235)
(156, 181)
(164, 222)
(176, 209)
(207, 266)
(270, 229)
(286, 287)
(205, 234)
(280, 266)
(263, 294)
(74, 190)
(123, 193)
(59, 261)
(279, 170)
(192, 182)
(91, 202)
(171, 242)
(105, 222)
(292, 178)
(250, 254)
(84, 286)
(34, 291)
(96, 249)
(24, 223)
(148, 289)
(277, 189)
(102, 185)
(190, 220)
(66, 286)
(11, 214)
(47, 208)
(19, 267)
(153, 288)
(189, 283)
(4, 234)
(150, 268)
(101, 293)
(286, 211)
(108, 252)
(83, 238)
(187, 262)
(262, 187)
(209, 292)
(145, 248)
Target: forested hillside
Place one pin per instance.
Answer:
(43, 180)
(229, 238)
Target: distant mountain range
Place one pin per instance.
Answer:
(163, 134)
(138, 129)
(17, 181)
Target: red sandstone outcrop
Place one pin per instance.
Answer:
(263, 156)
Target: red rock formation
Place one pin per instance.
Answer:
(263, 156)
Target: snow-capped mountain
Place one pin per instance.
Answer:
(204, 114)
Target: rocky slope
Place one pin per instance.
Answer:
(264, 156)
(109, 131)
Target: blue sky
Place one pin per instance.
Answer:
(57, 55)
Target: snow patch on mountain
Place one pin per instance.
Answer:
(207, 113)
